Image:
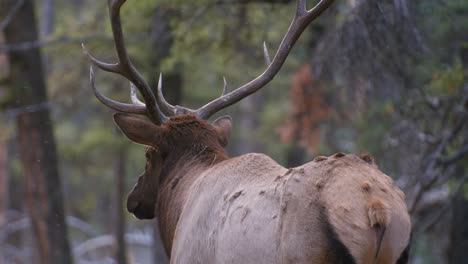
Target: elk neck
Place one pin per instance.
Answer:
(180, 171)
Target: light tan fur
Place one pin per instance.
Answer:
(249, 209)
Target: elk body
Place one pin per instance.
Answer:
(248, 209)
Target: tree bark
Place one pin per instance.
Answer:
(3, 181)
(36, 141)
(251, 107)
(120, 227)
(459, 232)
(47, 17)
(162, 40)
(47, 26)
(295, 154)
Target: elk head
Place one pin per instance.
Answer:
(183, 139)
(142, 198)
(175, 131)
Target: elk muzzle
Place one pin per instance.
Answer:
(140, 208)
(140, 203)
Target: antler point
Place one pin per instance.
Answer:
(84, 49)
(160, 81)
(266, 54)
(225, 87)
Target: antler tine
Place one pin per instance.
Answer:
(134, 97)
(301, 7)
(302, 18)
(266, 54)
(125, 67)
(165, 105)
(127, 108)
(225, 87)
(101, 65)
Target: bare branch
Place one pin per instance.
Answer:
(11, 14)
(27, 45)
(455, 157)
(430, 177)
(441, 212)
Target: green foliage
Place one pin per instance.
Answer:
(91, 140)
(272, 118)
(448, 81)
(372, 129)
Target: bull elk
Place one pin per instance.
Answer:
(217, 209)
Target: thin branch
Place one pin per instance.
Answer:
(42, 43)
(246, 2)
(11, 14)
(459, 155)
(135, 37)
(447, 204)
(429, 176)
(12, 113)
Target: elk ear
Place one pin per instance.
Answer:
(138, 130)
(223, 126)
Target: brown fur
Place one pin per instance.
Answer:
(366, 186)
(379, 217)
(367, 158)
(249, 209)
(320, 158)
(378, 213)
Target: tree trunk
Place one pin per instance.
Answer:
(120, 227)
(36, 141)
(47, 26)
(47, 17)
(250, 109)
(459, 232)
(3, 181)
(162, 39)
(295, 154)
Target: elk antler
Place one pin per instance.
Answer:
(301, 20)
(124, 67)
(156, 107)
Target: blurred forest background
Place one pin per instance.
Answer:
(387, 77)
